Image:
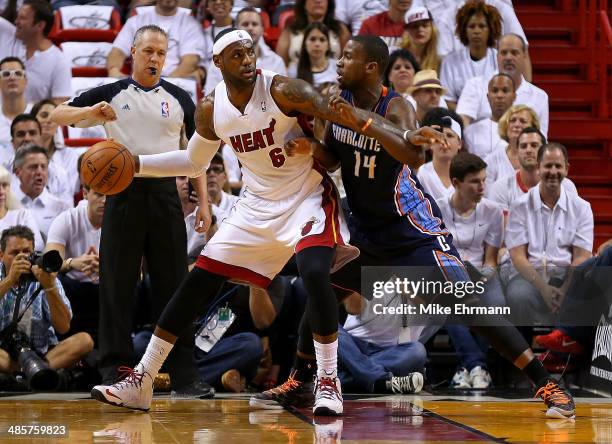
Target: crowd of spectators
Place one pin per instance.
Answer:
(502, 188)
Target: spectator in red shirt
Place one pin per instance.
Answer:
(388, 25)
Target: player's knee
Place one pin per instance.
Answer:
(84, 342)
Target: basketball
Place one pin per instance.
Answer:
(107, 167)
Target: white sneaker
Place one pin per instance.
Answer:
(135, 391)
(327, 430)
(480, 378)
(328, 397)
(411, 383)
(461, 379)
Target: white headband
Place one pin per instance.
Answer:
(229, 38)
(454, 125)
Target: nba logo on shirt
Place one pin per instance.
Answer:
(165, 109)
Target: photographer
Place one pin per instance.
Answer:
(47, 313)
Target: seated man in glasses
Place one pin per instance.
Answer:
(13, 84)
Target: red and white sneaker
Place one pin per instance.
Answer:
(328, 396)
(133, 391)
(559, 342)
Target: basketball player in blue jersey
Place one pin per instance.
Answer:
(393, 221)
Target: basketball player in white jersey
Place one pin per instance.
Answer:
(290, 206)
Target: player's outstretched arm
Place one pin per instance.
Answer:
(191, 162)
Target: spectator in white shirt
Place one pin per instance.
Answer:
(249, 20)
(427, 91)
(315, 65)
(476, 224)
(189, 204)
(354, 12)
(503, 159)
(31, 167)
(478, 28)
(63, 173)
(435, 175)
(75, 233)
(13, 83)
(48, 68)
(25, 129)
(507, 189)
(548, 230)
(220, 11)
(483, 136)
(12, 214)
(218, 189)
(186, 45)
(511, 59)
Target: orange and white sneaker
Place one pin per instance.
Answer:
(328, 396)
(292, 393)
(559, 402)
(133, 391)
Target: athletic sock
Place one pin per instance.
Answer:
(155, 355)
(327, 359)
(536, 372)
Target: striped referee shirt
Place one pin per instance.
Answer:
(149, 120)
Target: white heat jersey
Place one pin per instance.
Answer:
(258, 137)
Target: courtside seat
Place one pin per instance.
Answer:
(86, 23)
(87, 59)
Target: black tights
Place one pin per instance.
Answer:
(199, 288)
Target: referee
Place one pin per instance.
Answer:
(147, 115)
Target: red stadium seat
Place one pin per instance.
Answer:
(58, 34)
(285, 18)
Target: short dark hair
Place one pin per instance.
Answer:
(13, 59)
(148, 28)
(42, 13)
(550, 147)
(465, 163)
(249, 9)
(20, 231)
(36, 108)
(533, 130)
(439, 116)
(503, 74)
(26, 117)
(26, 150)
(403, 54)
(376, 50)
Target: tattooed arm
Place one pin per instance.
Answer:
(294, 95)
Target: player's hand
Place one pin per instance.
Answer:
(20, 266)
(102, 111)
(426, 136)
(347, 112)
(203, 219)
(301, 146)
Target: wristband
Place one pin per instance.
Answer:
(406, 133)
(367, 125)
(69, 264)
(49, 289)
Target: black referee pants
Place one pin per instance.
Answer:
(145, 220)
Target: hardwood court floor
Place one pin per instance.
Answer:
(228, 420)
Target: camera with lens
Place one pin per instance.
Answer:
(50, 262)
(39, 375)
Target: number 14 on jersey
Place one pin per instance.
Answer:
(369, 163)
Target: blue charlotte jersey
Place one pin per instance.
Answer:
(389, 209)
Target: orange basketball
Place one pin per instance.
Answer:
(107, 167)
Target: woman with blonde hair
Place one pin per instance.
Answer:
(503, 160)
(421, 38)
(12, 214)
